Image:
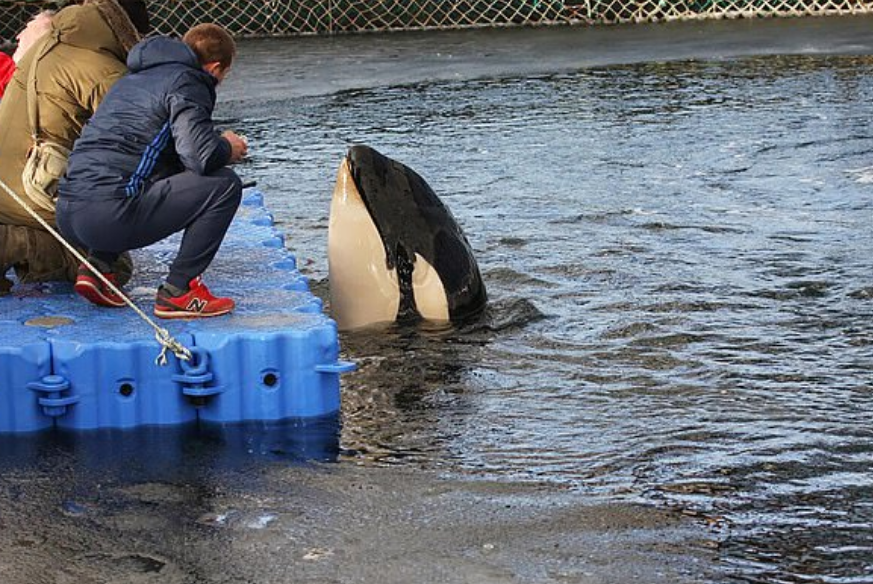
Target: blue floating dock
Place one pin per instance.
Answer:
(68, 364)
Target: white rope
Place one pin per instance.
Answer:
(162, 335)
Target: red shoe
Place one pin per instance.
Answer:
(197, 302)
(92, 288)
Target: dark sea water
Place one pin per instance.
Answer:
(674, 226)
(672, 382)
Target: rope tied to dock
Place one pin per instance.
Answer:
(162, 335)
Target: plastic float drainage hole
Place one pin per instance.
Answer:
(270, 379)
(125, 389)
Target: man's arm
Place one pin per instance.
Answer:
(199, 146)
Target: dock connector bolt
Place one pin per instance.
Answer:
(195, 376)
(51, 389)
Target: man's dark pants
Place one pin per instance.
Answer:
(202, 206)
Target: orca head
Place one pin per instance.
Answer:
(395, 251)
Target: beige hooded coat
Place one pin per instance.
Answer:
(72, 78)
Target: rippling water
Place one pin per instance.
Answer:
(680, 261)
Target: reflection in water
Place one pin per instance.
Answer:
(161, 451)
(687, 247)
(408, 398)
(172, 503)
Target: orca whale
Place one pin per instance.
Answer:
(395, 252)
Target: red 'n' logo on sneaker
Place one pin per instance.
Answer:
(197, 305)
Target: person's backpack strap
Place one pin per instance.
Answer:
(32, 95)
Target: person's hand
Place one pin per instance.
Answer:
(239, 146)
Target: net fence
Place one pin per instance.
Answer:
(262, 18)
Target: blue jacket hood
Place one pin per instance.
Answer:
(156, 121)
(156, 51)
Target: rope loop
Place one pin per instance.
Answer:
(168, 343)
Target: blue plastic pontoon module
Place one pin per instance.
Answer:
(67, 363)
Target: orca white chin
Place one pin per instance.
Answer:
(362, 289)
(394, 250)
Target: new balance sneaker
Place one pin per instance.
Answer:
(92, 288)
(197, 302)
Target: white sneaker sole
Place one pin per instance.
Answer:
(184, 314)
(91, 292)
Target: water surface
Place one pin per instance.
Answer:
(673, 222)
(675, 232)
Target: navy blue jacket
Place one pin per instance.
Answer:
(154, 122)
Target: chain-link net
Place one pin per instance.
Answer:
(254, 18)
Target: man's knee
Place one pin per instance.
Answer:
(232, 184)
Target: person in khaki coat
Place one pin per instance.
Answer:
(72, 78)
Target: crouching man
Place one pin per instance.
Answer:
(150, 163)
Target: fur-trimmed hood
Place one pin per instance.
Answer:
(97, 25)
